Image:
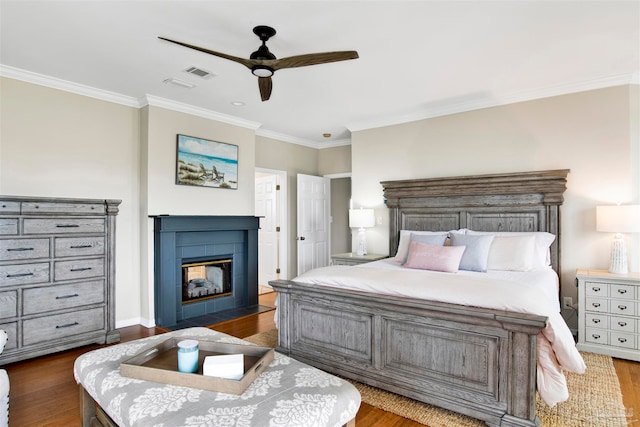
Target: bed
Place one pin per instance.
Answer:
(481, 361)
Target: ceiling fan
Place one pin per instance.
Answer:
(263, 63)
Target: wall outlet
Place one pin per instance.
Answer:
(567, 302)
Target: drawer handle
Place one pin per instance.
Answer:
(67, 225)
(596, 304)
(19, 249)
(596, 336)
(623, 324)
(67, 296)
(88, 245)
(622, 291)
(19, 275)
(81, 269)
(595, 320)
(622, 307)
(68, 325)
(622, 340)
(595, 289)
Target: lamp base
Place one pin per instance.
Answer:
(618, 261)
(362, 242)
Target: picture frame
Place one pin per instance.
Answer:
(204, 163)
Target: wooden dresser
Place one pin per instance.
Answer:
(609, 313)
(57, 274)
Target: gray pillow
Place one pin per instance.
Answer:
(476, 253)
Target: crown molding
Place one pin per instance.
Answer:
(156, 101)
(301, 141)
(496, 100)
(67, 86)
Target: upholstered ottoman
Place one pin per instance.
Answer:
(287, 393)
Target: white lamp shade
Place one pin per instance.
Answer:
(618, 219)
(361, 218)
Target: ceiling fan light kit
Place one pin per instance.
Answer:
(264, 64)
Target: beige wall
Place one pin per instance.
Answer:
(58, 144)
(592, 133)
(334, 160)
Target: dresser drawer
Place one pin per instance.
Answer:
(596, 289)
(618, 306)
(598, 336)
(50, 298)
(18, 249)
(8, 304)
(597, 304)
(623, 324)
(63, 225)
(47, 328)
(78, 269)
(23, 274)
(620, 339)
(78, 246)
(9, 208)
(622, 291)
(12, 335)
(597, 321)
(65, 208)
(8, 226)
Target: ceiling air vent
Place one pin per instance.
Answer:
(200, 72)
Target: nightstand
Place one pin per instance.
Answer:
(352, 258)
(609, 313)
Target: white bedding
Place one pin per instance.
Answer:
(534, 292)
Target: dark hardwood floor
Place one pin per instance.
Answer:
(44, 392)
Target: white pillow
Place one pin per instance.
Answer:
(514, 253)
(542, 251)
(405, 240)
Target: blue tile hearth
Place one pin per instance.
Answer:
(211, 319)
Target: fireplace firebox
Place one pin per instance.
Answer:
(202, 280)
(215, 256)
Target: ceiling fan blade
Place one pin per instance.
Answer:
(246, 62)
(312, 59)
(265, 84)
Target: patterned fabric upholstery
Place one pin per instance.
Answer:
(4, 386)
(287, 393)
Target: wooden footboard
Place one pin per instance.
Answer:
(479, 362)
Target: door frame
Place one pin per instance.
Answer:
(283, 239)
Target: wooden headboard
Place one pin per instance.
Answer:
(528, 201)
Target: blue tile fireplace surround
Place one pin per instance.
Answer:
(185, 240)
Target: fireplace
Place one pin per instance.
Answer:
(215, 256)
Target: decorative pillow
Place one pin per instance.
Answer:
(405, 240)
(476, 253)
(514, 253)
(436, 258)
(542, 253)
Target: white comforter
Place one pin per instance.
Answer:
(556, 348)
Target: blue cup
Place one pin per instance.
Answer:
(188, 356)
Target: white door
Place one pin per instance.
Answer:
(267, 209)
(313, 222)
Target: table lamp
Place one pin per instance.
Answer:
(360, 219)
(618, 219)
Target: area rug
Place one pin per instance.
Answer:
(595, 398)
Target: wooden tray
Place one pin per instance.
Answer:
(160, 364)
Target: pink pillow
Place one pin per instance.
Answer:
(436, 258)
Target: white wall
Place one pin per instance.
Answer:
(592, 133)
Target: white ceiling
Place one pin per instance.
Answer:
(418, 59)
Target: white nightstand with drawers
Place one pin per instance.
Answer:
(609, 313)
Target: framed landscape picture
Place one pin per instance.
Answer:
(206, 163)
